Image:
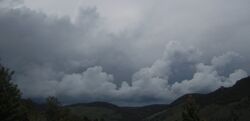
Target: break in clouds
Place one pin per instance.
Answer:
(175, 47)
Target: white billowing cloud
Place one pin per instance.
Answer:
(93, 81)
(207, 76)
(82, 60)
(152, 82)
(149, 83)
(236, 75)
(224, 59)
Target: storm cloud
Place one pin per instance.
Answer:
(167, 49)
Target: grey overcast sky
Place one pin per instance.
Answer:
(127, 52)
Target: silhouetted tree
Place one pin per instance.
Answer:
(10, 98)
(53, 109)
(191, 111)
(31, 112)
(56, 112)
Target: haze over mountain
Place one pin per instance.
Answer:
(130, 53)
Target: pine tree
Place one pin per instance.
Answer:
(10, 97)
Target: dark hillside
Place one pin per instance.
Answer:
(222, 95)
(220, 105)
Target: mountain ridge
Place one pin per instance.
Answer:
(233, 93)
(220, 100)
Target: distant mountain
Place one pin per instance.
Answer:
(95, 104)
(222, 95)
(111, 112)
(219, 105)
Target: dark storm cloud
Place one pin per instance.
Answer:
(176, 49)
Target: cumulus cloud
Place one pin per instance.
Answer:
(82, 60)
(153, 81)
(91, 82)
(150, 83)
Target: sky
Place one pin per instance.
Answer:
(130, 53)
